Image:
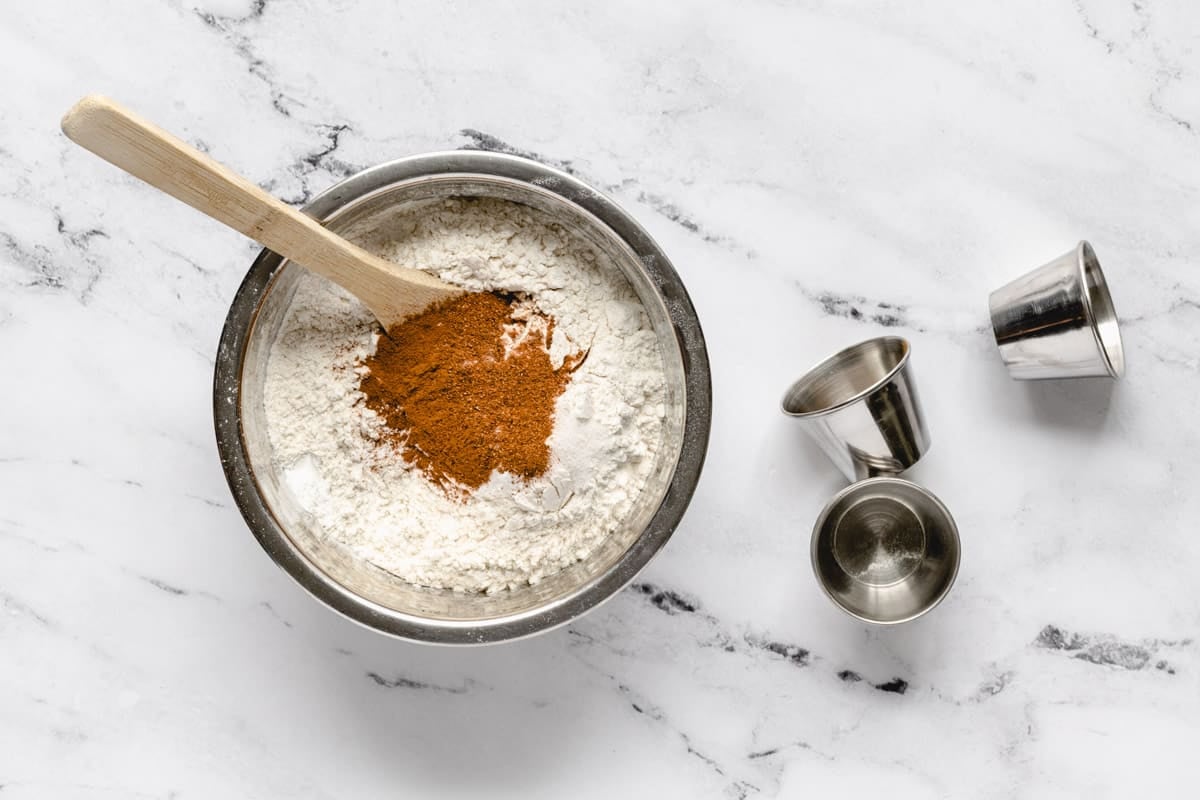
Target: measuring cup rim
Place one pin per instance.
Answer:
(807, 377)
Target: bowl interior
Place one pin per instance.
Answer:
(371, 221)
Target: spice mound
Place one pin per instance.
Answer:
(489, 442)
(467, 388)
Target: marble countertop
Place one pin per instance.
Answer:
(820, 174)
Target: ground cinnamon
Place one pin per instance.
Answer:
(467, 388)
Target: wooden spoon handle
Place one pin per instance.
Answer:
(147, 152)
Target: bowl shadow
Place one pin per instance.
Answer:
(491, 719)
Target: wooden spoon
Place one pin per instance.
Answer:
(122, 138)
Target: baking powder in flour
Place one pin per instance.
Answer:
(608, 421)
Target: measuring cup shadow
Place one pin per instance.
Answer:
(1078, 404)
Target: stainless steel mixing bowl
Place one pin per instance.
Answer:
(363, 208)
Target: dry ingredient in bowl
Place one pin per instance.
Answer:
(513, 463)
(467, 389)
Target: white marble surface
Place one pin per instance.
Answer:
(820, 173)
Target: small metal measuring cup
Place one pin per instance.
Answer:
(1058, 321)
(885, 550)
(861, 407)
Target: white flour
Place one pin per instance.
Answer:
(608, 421)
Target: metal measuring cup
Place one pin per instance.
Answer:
(861, 407)
(1058, 321)
(885, 550)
